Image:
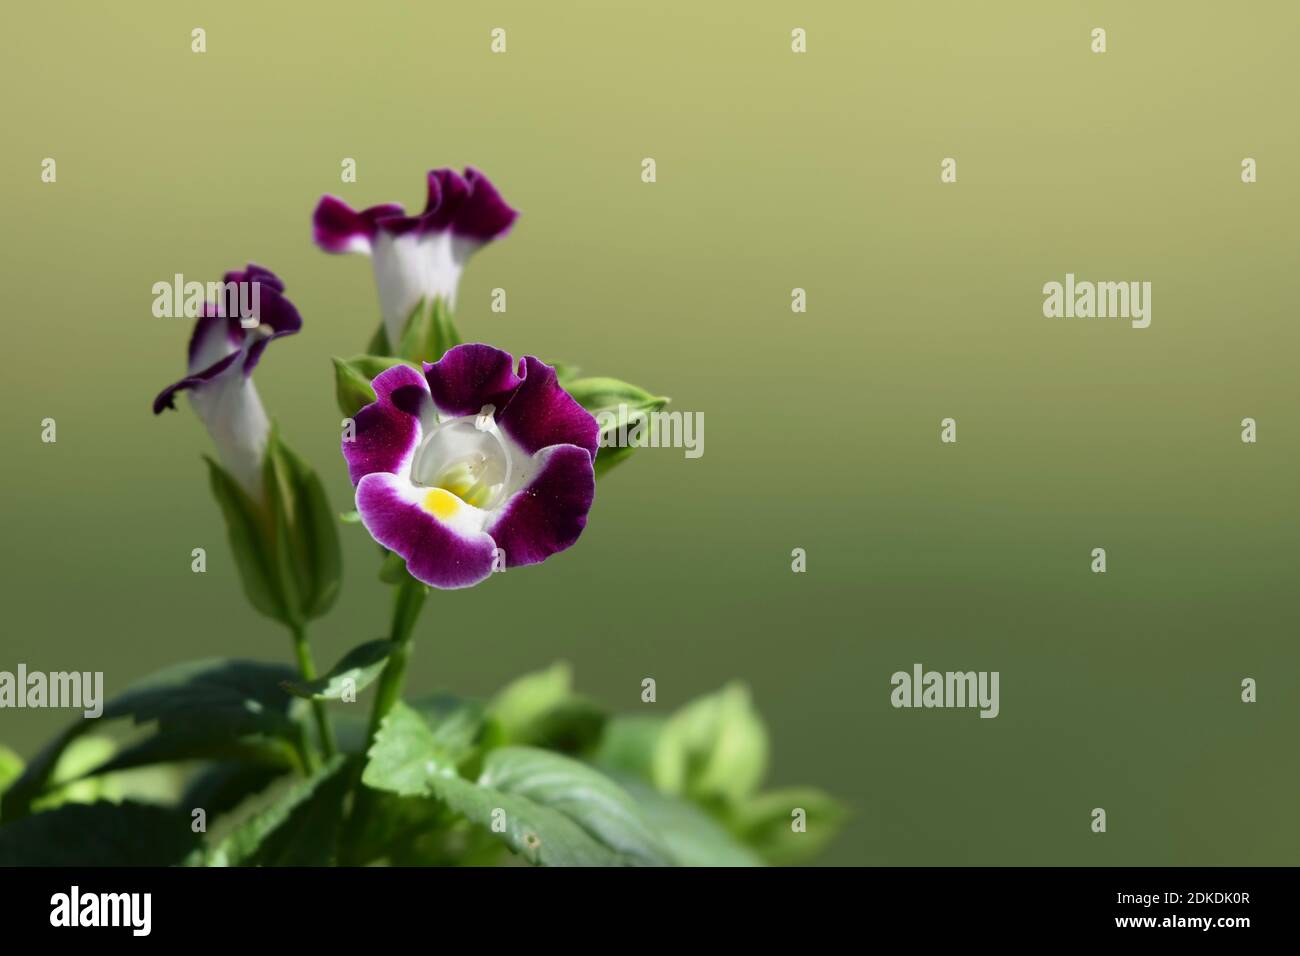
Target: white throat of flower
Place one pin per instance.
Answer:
(467, 458)
(411, 268)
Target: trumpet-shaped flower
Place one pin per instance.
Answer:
(475, 460)
(420, 257)
(224, 349)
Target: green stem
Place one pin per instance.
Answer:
(408, 600)
(308, 668)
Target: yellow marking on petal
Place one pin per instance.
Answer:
(440, 503)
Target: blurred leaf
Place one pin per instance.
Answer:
(714, 750)
(223, 785)
(542, 710)
(300, 828)
(11, 767)
(617, 407)
(352, 378)
(628, 745)
(310, 565)
(203, 709)
(250, 535)
(554, 811)
(429, 332)
(379, 344)
(393, 569)
(98, 834)
(357, 670)
(766, 823)
(692, 837)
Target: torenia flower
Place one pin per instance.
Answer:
(421, 257)
(473, 456)
(222, 355)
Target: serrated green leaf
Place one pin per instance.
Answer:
(98, 834)
(356, 671)
(406, 754)
(766, 823)
(714, 750)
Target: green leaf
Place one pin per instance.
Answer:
(766, 823)
(310, 565)
(355, 672)
(203, 709)
(429, 332)
(565, 373)
(627, 746)
(11, 767)
(617, 406)
(554, 810)
(250, 541)
(692, 837)
(223, 785)
(352, 378)
(393, 569)
(714, 750)
(379, 344)
(98, 834)
(542, 710)
(300, 828)
(406, 754)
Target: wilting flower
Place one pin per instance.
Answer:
(222, 355)
(421, 257)
(473, 456)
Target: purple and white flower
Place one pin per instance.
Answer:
(474, 459)
(421, 257)
(222, 356)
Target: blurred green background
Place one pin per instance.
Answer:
(775, 170)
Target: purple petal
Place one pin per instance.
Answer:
(276, 313)
(468, 377)
(541, 413)
(337, 227)
(167, 397)
(388, 430)
(435, 553)
(483, 215)
(549, 514)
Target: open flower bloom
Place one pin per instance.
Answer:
(417, 257)
(473, 456)
(222, 355)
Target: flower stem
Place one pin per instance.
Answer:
(408, 600)
(308, 668)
